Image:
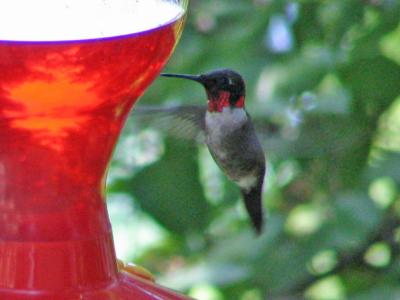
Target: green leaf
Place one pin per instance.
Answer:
(170, 190)
(384, 291)
(355, 219)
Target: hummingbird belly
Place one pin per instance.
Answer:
(234, 146)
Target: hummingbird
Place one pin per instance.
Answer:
(227, 129)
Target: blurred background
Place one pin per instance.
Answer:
(323, 83)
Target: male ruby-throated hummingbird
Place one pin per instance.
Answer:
(229, 134)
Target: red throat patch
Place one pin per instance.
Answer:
(240, 102)
(218, 104)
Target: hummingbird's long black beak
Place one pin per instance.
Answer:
(197, 78)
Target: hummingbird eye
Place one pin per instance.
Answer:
(224, 82)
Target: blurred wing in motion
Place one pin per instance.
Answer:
(187, 122)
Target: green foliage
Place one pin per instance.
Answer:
(176, 197)
(323, 86)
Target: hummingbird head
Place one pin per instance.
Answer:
(224, 88)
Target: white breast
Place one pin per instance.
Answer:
(220, 124)
(224, 122)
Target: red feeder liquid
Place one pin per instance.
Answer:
(62, 106)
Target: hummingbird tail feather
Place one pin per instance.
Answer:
(253, 203)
